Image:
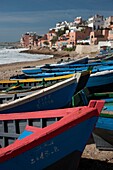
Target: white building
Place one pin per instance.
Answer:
(108, 21)
(78, 20)
(96, 22)
(108, 44)
(61, 25)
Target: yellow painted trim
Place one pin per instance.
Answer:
(32, 80)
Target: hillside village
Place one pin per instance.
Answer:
(96, 31)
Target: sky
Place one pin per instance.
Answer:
(20, 16)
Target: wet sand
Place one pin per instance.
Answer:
(92, 158)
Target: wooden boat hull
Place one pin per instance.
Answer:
(42, 75)
(33, 70)
(38, 69)
(55, 145)
(82, 60)
(53, 97)
(57, 71)
(56, 67)
(33, 82)
(47, 157)
(100, 82)
(103, 132)
(82, 79)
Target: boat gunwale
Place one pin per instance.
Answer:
(41, 92)
(67, 122)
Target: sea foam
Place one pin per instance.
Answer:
(12, 55)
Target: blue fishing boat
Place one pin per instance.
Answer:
(52, 139)
(100, 81)
(72, 67)
(61, 71)
(41, 75)
(30, 86)
(50, 74)
(101, 78)
(103, 132)
(38, 69)
(56, 96)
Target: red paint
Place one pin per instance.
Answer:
(71, 117)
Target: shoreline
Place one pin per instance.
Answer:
(47, 51)
(91, 158)
(7, 70)
(12, 69)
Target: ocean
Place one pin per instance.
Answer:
(8, 55)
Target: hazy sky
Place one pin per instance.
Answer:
(18, 17)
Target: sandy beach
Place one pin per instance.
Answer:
(8, 70)
(92, 158)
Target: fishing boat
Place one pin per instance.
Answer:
(32, 82)
(101, 78)
(41, 75)
(52, 139)
(100, 81)
(70, 70)
(38, 69)
(14, 92)
(49, 68)
(69, 61)
(56, 96)
(103, 132)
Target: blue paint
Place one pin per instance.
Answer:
(31, 70)
(25, 134)
(66, 69)
(108, 100)
(74, 139)
(43, 75)
(108, 108)
(105, 123)
(56, 99)
(99, 80)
